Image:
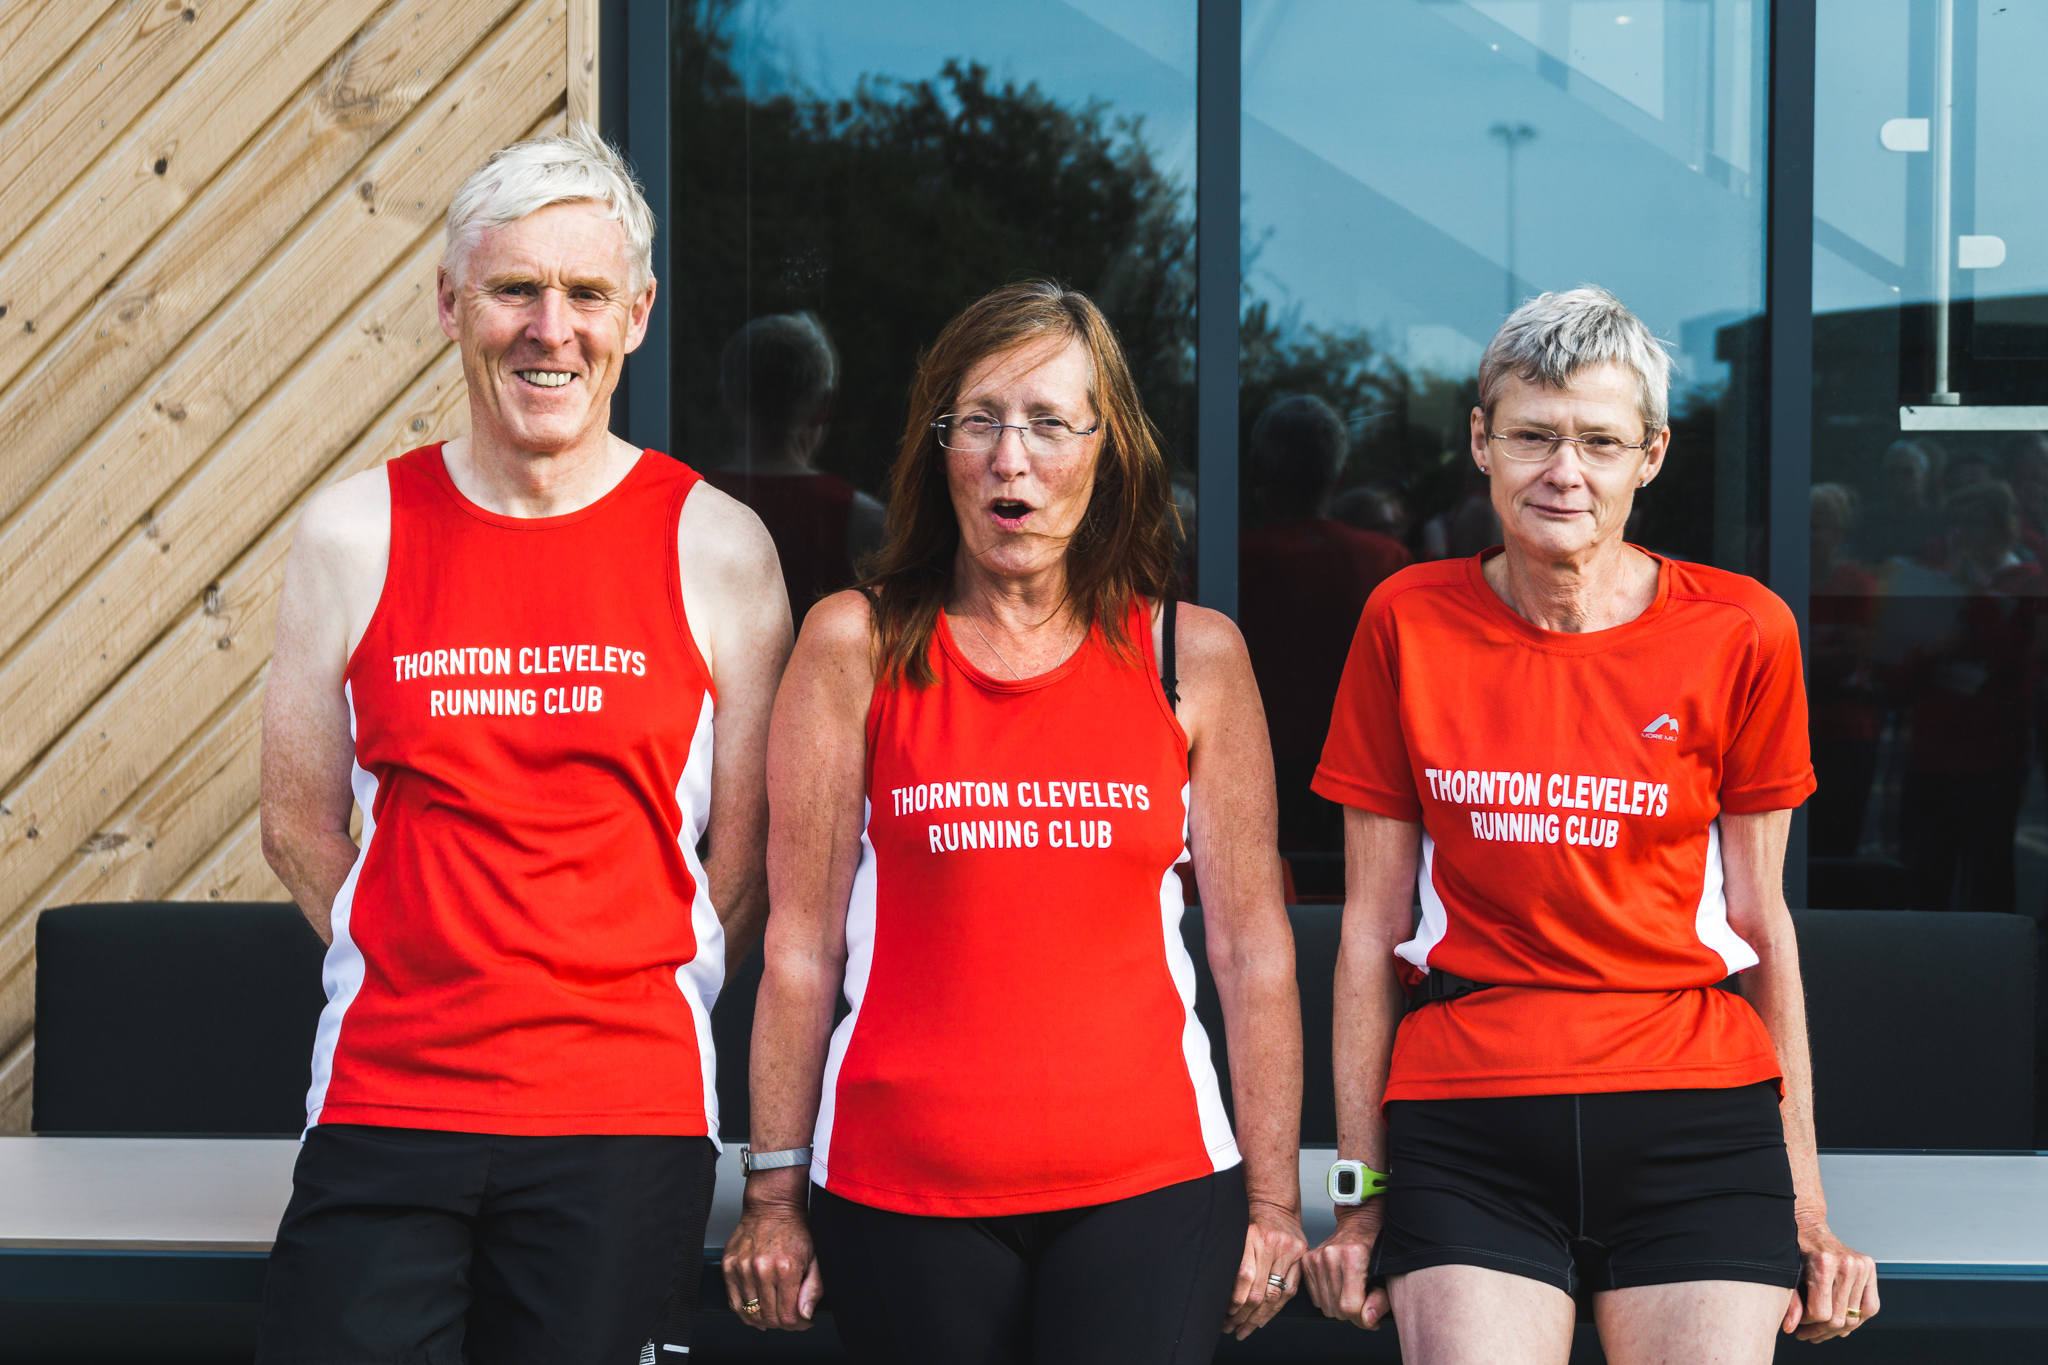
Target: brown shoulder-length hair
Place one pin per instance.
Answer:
(1124, 547)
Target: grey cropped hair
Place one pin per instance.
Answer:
(529, 176)
(1553, 337)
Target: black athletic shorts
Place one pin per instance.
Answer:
(1593, 1192)
(405, 1245)
(1140, 1281)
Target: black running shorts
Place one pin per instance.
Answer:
(1594, 1192)
(1139, 1281)
(406, 1246)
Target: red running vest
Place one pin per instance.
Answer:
(1022, 1035)
(525, 944)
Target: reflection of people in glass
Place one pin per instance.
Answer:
(1900, 525)
(2026, 471)
(1303, 580)
(1848, 715)
(1967, 695)
(1583, 757)
(982, 785)
(777, 377)
(1380, 507)
(1468, 527)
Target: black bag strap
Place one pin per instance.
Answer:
(1168, 678)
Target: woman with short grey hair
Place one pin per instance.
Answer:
(1584, 1072)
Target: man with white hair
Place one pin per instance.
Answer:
(541, 660)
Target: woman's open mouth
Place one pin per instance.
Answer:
(1009, 510)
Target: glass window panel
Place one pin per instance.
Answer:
(1930, 505)
(848, 177)
(1412, 170)
(1929, 614)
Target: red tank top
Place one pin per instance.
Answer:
(525, 944)
(1023, 1035)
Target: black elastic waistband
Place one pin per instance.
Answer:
(1443, 986)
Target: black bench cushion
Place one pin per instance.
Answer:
(174, 1017)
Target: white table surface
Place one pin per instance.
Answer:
(1926, 1210)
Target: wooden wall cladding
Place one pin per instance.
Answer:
(219, 223)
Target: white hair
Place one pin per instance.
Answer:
(527, 177)
(1552, 338)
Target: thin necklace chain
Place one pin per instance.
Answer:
(1005, 662)
(997, 652)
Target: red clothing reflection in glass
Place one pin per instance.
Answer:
(807, 516)
(1302, 586)
(1967, 690)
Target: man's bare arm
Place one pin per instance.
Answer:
(332, 581)
(739, 614)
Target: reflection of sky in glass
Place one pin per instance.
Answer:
(1376, 194)
(1135, 56)
(1864, 196)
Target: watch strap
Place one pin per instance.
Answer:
(752, 1161)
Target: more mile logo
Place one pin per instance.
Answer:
(1664, 727)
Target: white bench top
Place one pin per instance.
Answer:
(1934, 1213)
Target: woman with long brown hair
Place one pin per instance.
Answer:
(984, 768)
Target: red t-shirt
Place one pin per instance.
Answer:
(1568, 787)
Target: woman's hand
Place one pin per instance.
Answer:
(1838, 1282)
(769, 1261)
(1336, 1270)
(1272, 1246)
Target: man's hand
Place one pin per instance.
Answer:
(1839, 1293)
(1272, 1246)
(1336, 1271)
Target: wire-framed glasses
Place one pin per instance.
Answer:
(1596, 448)
(978, 435)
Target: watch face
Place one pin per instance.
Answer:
(1347, 1184)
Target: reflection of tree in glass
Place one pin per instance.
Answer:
(1407, 429)
(1410, 430)
(888, 211)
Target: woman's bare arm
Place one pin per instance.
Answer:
(817, 763)
(1753, 864)
(1380, 860)
(1234, 835)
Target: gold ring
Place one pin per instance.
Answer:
(751, 1306)
(1852, 1313)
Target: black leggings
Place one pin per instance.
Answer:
(1141, 1281)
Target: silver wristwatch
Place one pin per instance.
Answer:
(752, 1161)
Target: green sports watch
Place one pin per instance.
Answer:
(1354, 1182)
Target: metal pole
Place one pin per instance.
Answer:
(1944, 240)
(648, 59)
(1511, 136)
(1788, 304)
(1218, 82)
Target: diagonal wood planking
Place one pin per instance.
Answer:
(234, 869)
(312, 146)
(83, 238)
(101, 505)
(147, 848)
(34, 36)
(87, 100)
(300, 140)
